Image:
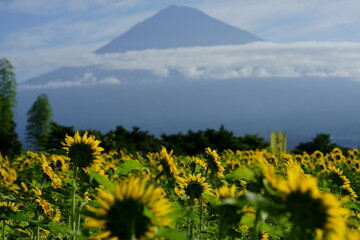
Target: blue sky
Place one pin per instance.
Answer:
(38, 36)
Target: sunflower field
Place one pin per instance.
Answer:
(80, 192)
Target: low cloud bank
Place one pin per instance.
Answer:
(262, 59)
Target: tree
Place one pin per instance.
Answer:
(252, 142)
(9, 143)
(57, 135)
(321, 142)
(38, 127)
(132, 141)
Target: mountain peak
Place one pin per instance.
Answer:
(176, 8)
(178, 26)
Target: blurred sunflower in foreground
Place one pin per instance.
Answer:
(134, 211)
(82, 150)
(312, 213)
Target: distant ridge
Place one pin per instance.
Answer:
(172, 27)
(178, 26)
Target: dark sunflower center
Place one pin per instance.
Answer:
(166, 166)
(81, 154)
(336, 179)
(357, 165)
(307, 212)
(126, 215)
(194, 190)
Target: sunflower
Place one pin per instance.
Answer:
(271, 178)
(57, 215)
(317, 154)
(342, 181)
(193, 186)
(45, 206)
(264, 235)
(338, 157)
(353, 235)
(82, 150)
(196, 161)
(213, 162)
(225, 192)
(356, 166)
(311, 210)
(55, 180)
(8, 207)
(167, 162)
(133, 212)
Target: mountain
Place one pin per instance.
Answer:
(175, 27)
(146, 88)
(172, 27)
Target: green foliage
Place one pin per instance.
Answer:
(128, 167)
(9, 144)
(133, 141)
(38, 128)
(195, 142)
(170, 234)
(57, 135)
(140, 141)
(102, 180)
(241, 173)
(320, 142)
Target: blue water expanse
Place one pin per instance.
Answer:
(301, 108)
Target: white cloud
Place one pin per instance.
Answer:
(161, 72)
(87, 80)
(257, 59)
(110, 81)
(263, 59)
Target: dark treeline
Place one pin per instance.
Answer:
(191, 143)
(136, 140)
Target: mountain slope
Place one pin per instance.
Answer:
(175, 27)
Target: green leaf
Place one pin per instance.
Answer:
(128, 167)
(18, 217)
(168, 233)
(59, 228)
(102, 180)
(54, 151)
(148, 213)
(241, 173)
(211, 199)
(247, 220)
(325, 189)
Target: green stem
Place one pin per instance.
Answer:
(37, 229)
(201, 214)
(132, 229)
(37, 233)
(74, 209)
(221, 227)
(206, 172)
(191, 236)
(191, 227)
(4, 230)
(78, 218)
(256, 234)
